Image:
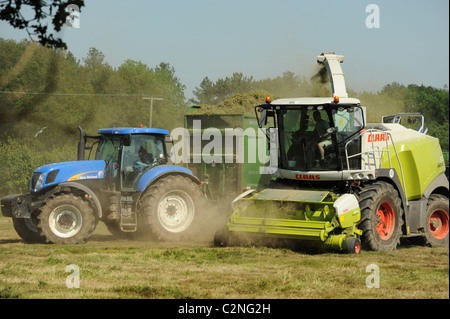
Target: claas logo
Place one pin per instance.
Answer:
(380, 137)
(307, 176)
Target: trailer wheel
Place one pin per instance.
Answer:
(437, 223)
(172, 209)
(67, 219)
(381, 216)
(27, 229)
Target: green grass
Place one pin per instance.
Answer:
(112, 268)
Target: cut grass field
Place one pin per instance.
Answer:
(111, 268)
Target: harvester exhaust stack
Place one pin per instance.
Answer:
(333, 62)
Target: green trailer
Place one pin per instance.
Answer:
(227, 151)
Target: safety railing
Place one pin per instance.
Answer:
(372, 157)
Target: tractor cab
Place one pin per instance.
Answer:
(129, 153)
(315, 134)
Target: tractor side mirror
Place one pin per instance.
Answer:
(127, 140)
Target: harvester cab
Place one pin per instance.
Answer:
(130, 186)
(340, 181)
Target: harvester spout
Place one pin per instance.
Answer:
(333, 62)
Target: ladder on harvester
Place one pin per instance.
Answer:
(373, 156)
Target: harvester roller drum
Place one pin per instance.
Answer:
(308, 216)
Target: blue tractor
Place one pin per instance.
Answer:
(130, 186)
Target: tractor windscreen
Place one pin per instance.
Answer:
(108, 148)
(145, 151)
(313, 137)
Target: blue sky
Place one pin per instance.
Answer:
(264, 38)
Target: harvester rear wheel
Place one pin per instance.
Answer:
(172, 209)
(437, 222)
(381, 216)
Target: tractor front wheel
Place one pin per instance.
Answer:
(27, 229)
(67, 219)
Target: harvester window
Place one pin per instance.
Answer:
(307, 143)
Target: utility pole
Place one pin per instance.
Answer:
(151, 106)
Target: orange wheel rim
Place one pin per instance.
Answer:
(438, 224)
(385, 221)
(357, 248)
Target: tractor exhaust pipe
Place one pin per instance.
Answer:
(81, 145)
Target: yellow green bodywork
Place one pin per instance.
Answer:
(295, 214)
(421, 162)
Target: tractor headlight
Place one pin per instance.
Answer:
(40, 182)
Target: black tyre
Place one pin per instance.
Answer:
(67, 219)
(381, 216)
(353, 245)
(172, 209)
(436, 221)
(27, 229)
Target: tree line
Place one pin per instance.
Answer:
(46, 93)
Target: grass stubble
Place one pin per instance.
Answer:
(111, 268)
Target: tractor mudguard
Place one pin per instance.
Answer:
(155, 173)
(88, 191)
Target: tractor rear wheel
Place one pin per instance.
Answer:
(436, 222)
(172, 209)
(67, 219)
(381, 216)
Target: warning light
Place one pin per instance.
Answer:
(336, 99)
(268, 100)
(141, 126)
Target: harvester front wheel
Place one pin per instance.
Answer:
(67, 219)
(437, 222)
(172, 208)
(381, 216)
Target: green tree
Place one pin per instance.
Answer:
(12, 11)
